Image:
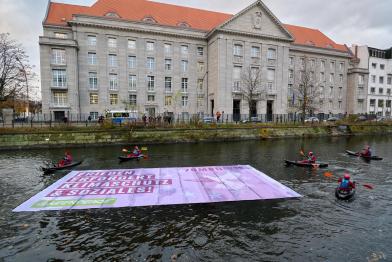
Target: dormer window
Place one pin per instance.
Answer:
(112, 14)
(329, 46)
(183, 24)
(310, 43)
(149, 19)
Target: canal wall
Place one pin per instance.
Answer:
(48, 138)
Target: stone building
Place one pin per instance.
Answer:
(153, 58)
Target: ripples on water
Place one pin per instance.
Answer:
(316, 227)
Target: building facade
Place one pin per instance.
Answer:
(155, 58)
(374, 80)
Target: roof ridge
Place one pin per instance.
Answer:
(188, 7)
(58, 3)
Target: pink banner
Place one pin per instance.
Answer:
(158, 186)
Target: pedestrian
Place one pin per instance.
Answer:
(218, 116)
(144, 120)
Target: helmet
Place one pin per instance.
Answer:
(347, 176)
(310, 153)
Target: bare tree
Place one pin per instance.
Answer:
(251, 88)
(15, 71)
(306, 90)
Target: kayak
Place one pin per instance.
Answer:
(351, 153)
(128, 158)
(298, 163)
(55, 168)
(344, 195)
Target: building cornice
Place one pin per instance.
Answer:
(247, 34)
(44, 40)
(136, 26)
(319, 50)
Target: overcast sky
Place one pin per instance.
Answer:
(345, 21)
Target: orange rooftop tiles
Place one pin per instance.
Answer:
(173, 15)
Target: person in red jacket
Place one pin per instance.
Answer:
(311, 159)
(67, 158)
(346, 184)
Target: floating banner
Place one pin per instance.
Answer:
(157, 186)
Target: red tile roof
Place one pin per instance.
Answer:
(173, 15)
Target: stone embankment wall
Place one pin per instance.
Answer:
(47, 138)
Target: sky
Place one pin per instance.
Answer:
(345, 21)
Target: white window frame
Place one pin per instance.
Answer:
(92, 40)
(184, 85)
(132, 62)
(93, 81)
(94, 98)
(59, 78)
(60, 98)
(92, 58)
(113, 99)
(151, 63)
(113, 62)
(113, 82)
(112, 42)
(132, 82)
(151, 83)
(58, 56)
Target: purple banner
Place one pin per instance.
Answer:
(158, 186)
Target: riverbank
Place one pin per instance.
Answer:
(44, 138)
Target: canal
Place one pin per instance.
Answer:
(316, 227)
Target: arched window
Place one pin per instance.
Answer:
(112, 14)
(149, 19)
(183, 24)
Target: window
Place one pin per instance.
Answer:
(200, 67)
(150, 83)
(92, 58)
(94, 115)
(340, 92)
(372, 90)
(168, 64)
(291, 74)
(389, 91)
(200, 51)
(150, 46)
(168, 48)
(372, 102)
(381, 91)
(361, 79)
(322, 77)
(381, 80)
(132, 44)
(93, 99)
(60, 98)
(168, 84)
(340, 104)
(331, 77)
(184, 66)
(112, 42)
(61, 35)
(341, 66)
(150, 63)
(58, 56)
(373, 79)
(237, 72)
(113, 99)
(360, 104)
(132, 83)
(237, 51)
(113, 82)
(59, 78)
(302, 63)
(270, 78)
(255, 52)
(291, 61)
(382, 66)
(113, 60)
(331, 91)
(184, 85)
(151, 98)
(184, 101)
(168, 100)
(131, 62)
(200, 85)
(92, 81)
(381, 103)
(200, 102)
(340, 78)
(271, 54)
(312, 63)
(374, 65)
(92, 40)
(184, 50)
(389, 80)
(322, 66)
(332, 66)
(132, 100)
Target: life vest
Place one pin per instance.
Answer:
(345, 184)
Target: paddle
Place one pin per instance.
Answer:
(330, 175)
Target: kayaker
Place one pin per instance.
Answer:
(346, 184)
(67, 158)
(366, 152)
(311, 159)
(136, 151)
